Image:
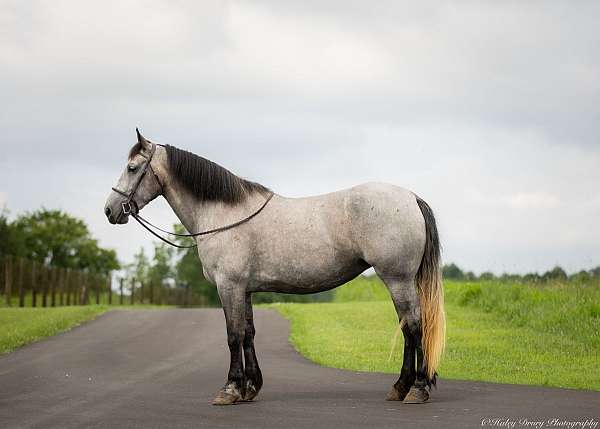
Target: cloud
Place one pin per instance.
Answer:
(490, 111)
(532, 200)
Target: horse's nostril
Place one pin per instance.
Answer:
(107, 211)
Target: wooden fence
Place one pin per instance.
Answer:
(32, 284)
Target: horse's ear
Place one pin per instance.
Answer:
(142, 141)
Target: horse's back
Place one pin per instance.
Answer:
(362, 218)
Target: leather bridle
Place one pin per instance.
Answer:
(129, 209)
(126, 205)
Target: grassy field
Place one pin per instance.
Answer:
(509, 333)
(20, 326)
(502, 332)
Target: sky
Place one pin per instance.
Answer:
(490, 111)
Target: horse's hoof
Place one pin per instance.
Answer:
(250, 391)
(396, 395)
(416, 395)
(228, 395)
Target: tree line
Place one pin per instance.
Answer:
(172, 266)
(556, 274)
(54, 238)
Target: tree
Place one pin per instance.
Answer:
(470, 276)
(90, 256)
(556, 273)
(161, 267)
(581, 277)
(140, 267)
(188, 270)
(53, 237)
(10, 242)
(452, 272)
(532, 278)
(508, 277)
(487, 276)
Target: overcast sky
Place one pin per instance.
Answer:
(490, 111)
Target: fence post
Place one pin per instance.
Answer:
(78, 289)
(33, 285)
(121, 287)
(132, 291)
(151, 286)
(68, 285)
(97, 287)
(77, 298)
(109, 288)
(8, 279)
(21, 286)
(141, 292)
(44, 286)
(84, 288)
(73, 287)
(61, 287)
(53, 277)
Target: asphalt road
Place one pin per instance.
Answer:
(162, 368)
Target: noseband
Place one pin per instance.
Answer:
(129, 209)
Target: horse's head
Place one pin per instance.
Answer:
(137, 186)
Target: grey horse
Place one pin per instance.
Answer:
(296, 245)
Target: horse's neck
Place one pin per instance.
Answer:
(199, 216)
(184, 207)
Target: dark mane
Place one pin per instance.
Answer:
(207, 180)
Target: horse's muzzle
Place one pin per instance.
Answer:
(120, 218)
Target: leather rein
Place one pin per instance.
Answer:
(129, 207)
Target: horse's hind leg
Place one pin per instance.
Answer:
(407, 374)
(404, 295)
(418, 392)
(252, 372)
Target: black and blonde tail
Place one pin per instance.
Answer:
(431, 294)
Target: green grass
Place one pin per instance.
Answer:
(497, 332)
(362, 289)
(564, 310)
(20, 326)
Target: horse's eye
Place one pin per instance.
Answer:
(132, 167)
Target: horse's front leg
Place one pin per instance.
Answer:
(252, 370)
(233, 299)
